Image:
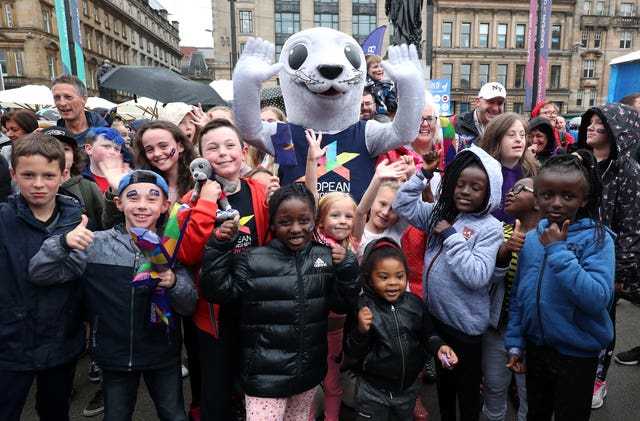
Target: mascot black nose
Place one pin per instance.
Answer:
(330, 72)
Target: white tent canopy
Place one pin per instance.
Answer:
(32, 97)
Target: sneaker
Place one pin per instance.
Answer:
(430, 371)
(185, 371)
(599, 393)
(419, 411)
(95, 406)
(95, 372)
(630, 357)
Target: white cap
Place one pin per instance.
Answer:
(492, 90)
(174, 112)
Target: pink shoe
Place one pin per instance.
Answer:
(420, 412)
(194, 414)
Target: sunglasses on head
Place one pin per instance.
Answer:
(517, 189)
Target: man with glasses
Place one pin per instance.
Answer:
(489, 104)
(368, 108)
(550, 111)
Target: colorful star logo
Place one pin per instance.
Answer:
(242, 224)
(332, 162)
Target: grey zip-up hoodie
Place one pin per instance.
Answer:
(457, 272)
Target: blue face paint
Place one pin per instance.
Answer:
(132, 192)
(154, 192)
(172, 152)
(601, 131)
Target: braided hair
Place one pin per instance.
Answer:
(445, 208)
(291, 191)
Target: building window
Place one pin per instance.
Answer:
(502, 74)
(52, 67)
(465, 35)
(503, 29)
(600, 8)
(518, 108)
(107, 24)
(483, 74)
(586, 8)
(447, 30)
(116, 26)
(519, 79)
(85, 8)
(287, 23)
(46, 19)
(580, 97)
(108, 47)
(465, 76)
(585, 39)
(3, 63)
(447, 71)
(464, 107)
(554, 79)
(88, 34)
(625, 39)
(17, 56)
(597, 39)
(520, 35)
(99, 43)
(593, 94)
(555, 37)
(246, 21)
(125, 30)
(626, 9)
(9, 15)
(483, 36)
(118, 53)
(589, 69)
(362, 26)
(325, 20)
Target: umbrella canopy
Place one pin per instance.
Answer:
(32, 97)
(272, 97)
(575, 121)
(97, 102)
(141, 107)
(161, 84)
(224, 87)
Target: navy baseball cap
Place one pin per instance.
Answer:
(143, 176)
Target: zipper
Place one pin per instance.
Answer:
(94, 332)
(544, 262)
(301, 319)
(398, 335)
(131, 306)
(213, 321)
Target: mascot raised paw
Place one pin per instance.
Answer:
(322, 75)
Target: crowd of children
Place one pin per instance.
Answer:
(522, 247)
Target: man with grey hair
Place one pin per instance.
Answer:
(489, 104)
(70, 98)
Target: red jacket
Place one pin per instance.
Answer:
(201, 220)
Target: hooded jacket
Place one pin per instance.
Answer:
(392, 353)
(562, 292)
(285, 298)
(568, 138)
(620, 188)
(551, 148)
(458, 271)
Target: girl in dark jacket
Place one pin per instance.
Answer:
(389, 334)
(284, 291)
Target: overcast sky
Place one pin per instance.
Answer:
(194, 17)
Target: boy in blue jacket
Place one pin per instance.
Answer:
(123, 342)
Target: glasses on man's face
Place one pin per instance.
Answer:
(366, 103)
(429, 119)
(518, 188)
(549, 113)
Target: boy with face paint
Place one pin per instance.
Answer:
(123, 341)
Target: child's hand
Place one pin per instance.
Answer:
(168, 279)
(315, 152)
(211, 191)
(553, 233)
(113, 169)
(516, 241)
(80, 237)
(227, 229)
(430, 160)
(516, 365)
(198, 116)
(442, 225)
(365, 318)
(274, 184)
(411, 166)
(337, 253)
(447, 357)
(394, 171)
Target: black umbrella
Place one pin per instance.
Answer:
(161, 84)
(272, 97)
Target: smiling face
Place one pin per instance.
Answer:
(538, 141)
(423, 141)
(222, 148)
(142, 205)
(367, 107)
(512, 145)
(293, 224)
(382, 215)
(560, 195)
(520, 199)
(389, 278)
(471, 189)
(487, 109)
(14, 131)
(338, 222)
(161, 149)
(69, 103)
(376, 71)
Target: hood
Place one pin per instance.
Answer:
(366, 287)
(622, 124)
(494, 171)
(543, 125)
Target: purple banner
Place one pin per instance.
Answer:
(543, 49)
(373, 43)
(531, 55)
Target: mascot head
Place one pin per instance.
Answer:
(322, 79)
